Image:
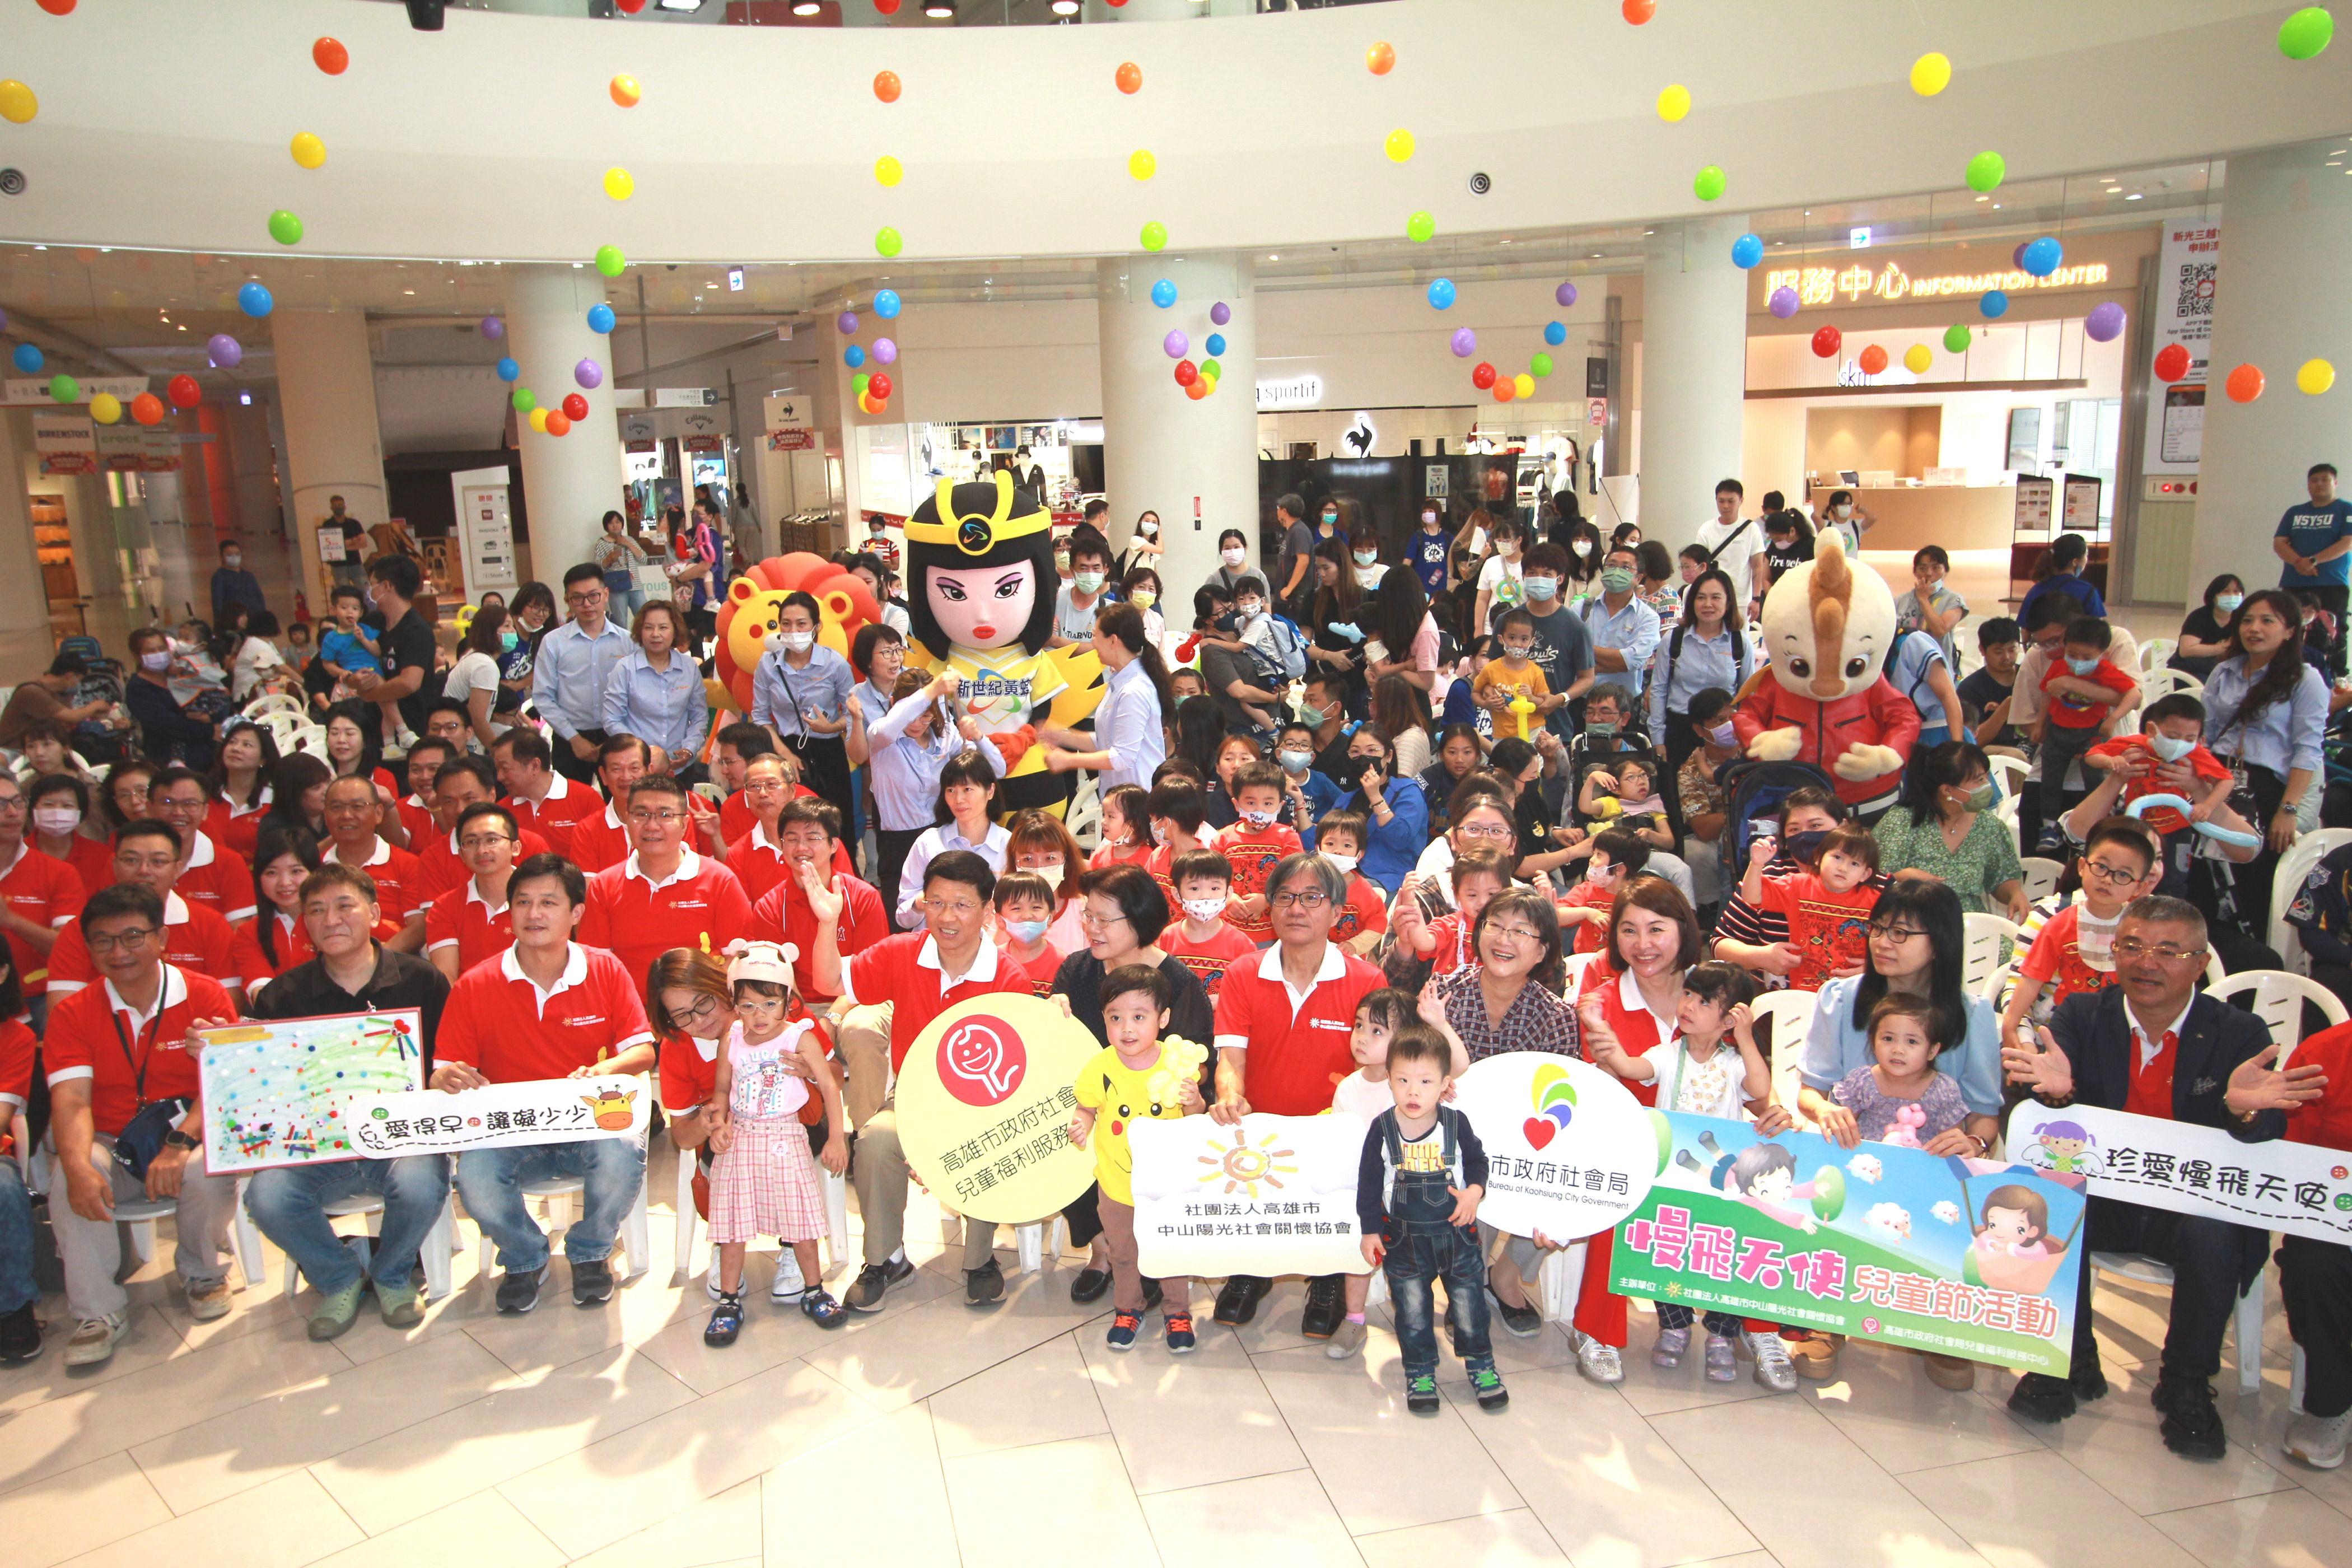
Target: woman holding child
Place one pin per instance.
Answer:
(1944, 828)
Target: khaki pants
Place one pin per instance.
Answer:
(861, 1037)
(92, 1249)
(1126, 1276)
(881, 1181)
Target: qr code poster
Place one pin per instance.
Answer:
(281, 1093)
(985, 1098)
(501, 1116)
(1269, 1195)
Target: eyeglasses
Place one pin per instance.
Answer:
(1490, 833)
(2114, 875)
(1305, 899)
(128, 939)
(1516, 933)
(1093, 921)
(594, 596)
(649, 817)
(2132, 947)
(474, 841)
(1896, 933)
(700, 1011)
(12, 802)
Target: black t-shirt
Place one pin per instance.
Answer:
(1221, 667)
(409, 645)
(402, 980)
(1979, 695)
(1780, 557)
(2205, 626)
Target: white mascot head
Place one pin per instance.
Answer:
(1827, 627)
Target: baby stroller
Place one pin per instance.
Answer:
(1752, 794)
(101, 681)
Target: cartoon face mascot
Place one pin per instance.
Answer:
(981, 588)
(1827, 630)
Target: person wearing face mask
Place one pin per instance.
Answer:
(1707, 652)
(1143, 549)
(1699, 798)
(1080, 598)
(1395, 811)
(169, 732)
(1306, 793)
(233, 584)
(56, 807)
(1850, 521)
(1500, 580)
(1336, 615)
(1292, 574)
(1758, 940)
(1427, 549)
(474, 678)
(2205, 635)
(1624, 630)
(1232, 561)
(1141, 587)
(1945, 828)
(1364, 555)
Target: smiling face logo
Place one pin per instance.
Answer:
(982, 1062)
(1243, 1167)
(1554, 1097)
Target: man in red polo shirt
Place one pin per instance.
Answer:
(468, 924)
(663, 895)
(757, 855)
(732, 751)
(114, 1049)
(1284, 1024)
(211, 874)
(2315, 1276)
(414, 811)
(148, 853)
(459, 785)
(38, 898)
(809, 835)
(603, 839)
(549, 1007)
(917, 975)
(355, 811)
(545, 800)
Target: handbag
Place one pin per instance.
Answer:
(141, 1138)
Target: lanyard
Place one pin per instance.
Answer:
(147, 1053)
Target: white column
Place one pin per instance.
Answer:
(569, 481)
(26, 644)
(2278, 300)
(1194, 462)
(334, 447)
(1694, 373)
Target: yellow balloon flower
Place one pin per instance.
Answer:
(618, 185)
(1673, 103)
(308, 149)
(889, 170)
(1930, 74)
(2315, 377)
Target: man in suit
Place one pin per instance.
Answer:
(2156, 1045)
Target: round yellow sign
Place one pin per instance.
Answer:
(985, 1098)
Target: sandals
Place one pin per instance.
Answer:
(726, 1320)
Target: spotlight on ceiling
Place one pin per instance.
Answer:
(1066, 7)
(940, 10)
(424, 16)
(806, 8)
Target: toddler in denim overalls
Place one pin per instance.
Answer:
(1406, 1201)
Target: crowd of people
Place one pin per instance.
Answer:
(1377, 810)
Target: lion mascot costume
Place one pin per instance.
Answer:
(1823, 700)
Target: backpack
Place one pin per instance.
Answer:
(1289, 646)
(1752, 794)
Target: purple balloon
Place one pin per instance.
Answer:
(1783, 302)
(588, 374)
(2017, 256)
(1220, 312)
(885, 351)
(2106, 322)
(1565, 294)
(493, 328)
(1176, 344)
(1465, 343)
(227, 351)
(846, 321)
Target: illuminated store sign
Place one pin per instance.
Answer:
(1889, 282)
(1291, 391)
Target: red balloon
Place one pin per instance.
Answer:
(1484, 376)
(183, 392)
(330, 55)
(1825, 342)
(58, 8)
(557, 424)
(2171, 363)
(2245, 383)
(631, 7)
(1638, 11)
(1187, 373)
(1873, 360)
(887, 7)
(879, 384)
(147, 408)
(575, 408)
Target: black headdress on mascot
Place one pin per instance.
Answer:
(960, 527)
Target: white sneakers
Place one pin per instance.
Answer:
(1597, 1362)
(2317, 1440)
(93, 1341)
(788, 1286)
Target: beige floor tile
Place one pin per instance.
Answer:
(253, 1309)
(1882, 1399)
(1276, 1325)
(484, 1528)
(2021, 1510)
(148, 1340)
(723, 1528)
(286, 1523)
(243, 1447)
(1594, 1474)
(1284, 1519)
(1512, 1539)
(907, 1356)
(1549, 1347)
(2280, 1530)
(665, 1466)
(2115, 1441)
(2263, 1428)
(406, 1474)
(1809, 1495)
(557, 1333)
(1043, 1396)
(803, 1521)
(1356, 1432)
(1190, 1421)
(1656, 1390)
(1080, 1485)
(77, 1511)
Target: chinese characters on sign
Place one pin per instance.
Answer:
(500, 1115)
(1568, 1152)
(1000, 1153)
(2178, 1165)
(1275, 1194)
(281, 1094)
(985, 1097)
(1888, 282)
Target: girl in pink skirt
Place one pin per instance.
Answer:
(764, 1182)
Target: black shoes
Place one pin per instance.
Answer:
(1089, 1285)
(864, 1295)
(519, 1291)
(726, 1320)
(1520, 1322)
(20, 1336)
(2038, 1396)
(2192, 1422)
(2089, 1383)
(592, 1283)
(1326, 1305)
(1237, 1303)
(984, 1286)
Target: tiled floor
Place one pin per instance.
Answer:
(929, 1434)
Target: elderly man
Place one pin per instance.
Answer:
(603, 839)
(355, 811)
(664, 895)
(2155, 1045)
(1283, 1025)
(571, 668)
(353, 972)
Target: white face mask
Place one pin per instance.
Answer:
(1584, 547)
(2164, 746)
(56, 820)
(1258, 819)
(797, 642)
(232, 562)
(1235, 556)
(155, 661)
(1147, 528)
(1429, 519)
(1205, 908)
(1346, 863)
(1052, 875)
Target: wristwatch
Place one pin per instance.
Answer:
(175, 1138)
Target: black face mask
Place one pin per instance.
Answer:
(1804, 846)
(1229, 623)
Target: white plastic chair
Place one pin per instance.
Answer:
(310, 737)
(1030, 1242)
(138, 1217)
(636, 1225)
(2301, 859)
(836, 1217)
(2277, 999)
(2155, 653)
(1574, 966)
(2158, 683)
(2008, 774)
(1983, 946)
(2246, 1322)
(683, 1201)
(271, 703)
(2041, 874)
(1791, 1013)
(433, 1251)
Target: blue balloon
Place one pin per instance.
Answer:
(600, 317)
(1216, 345)
(1163, 293)
(1441, 293)
(1555, 333)
(255, 300)
(886, 303)
(2042, 257)
(508, 370)
(854, 355)
(1747, 251)
(27, 358)
(1993, 305)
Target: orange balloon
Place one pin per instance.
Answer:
(2245, 383)
(625, 90)
(1505, 389)
(1380, 59)
(886, 86)
(1197, 389)
(1129, 76)
(557, 422)
(147, 408)
(1873, 360)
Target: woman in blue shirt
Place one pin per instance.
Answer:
(2060, 571)
(1702, 652)
(1130, 740)
(2266, 710)
(656, 693)
(1396, 808)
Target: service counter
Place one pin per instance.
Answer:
(1957, 517)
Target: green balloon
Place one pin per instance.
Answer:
(889, 242)
(2305, 34)
(524, 400)
(1985, 172)
(64, 388)
(1420, 229)
(1540, 366)
(1829, 1193)
(1955, 338)
(1210, 367)
(1155, 235)
(285, 228)
(610, 261)
(1665, 1131)
(1709, 185)
(857, 383)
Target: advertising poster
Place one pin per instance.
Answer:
(281, 1093)
(2178, 1165)
(2186, 268)
(500, 1115)
(985, 1098)
(1965, 1258)
(1273, 1195)
(1569, 1152)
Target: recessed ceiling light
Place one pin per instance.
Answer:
(1274, 258)
(2133, 197)
(1066, 7)
(408, 290)
(806, 8)
(940, 10)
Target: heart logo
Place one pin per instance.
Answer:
(1539, 1130)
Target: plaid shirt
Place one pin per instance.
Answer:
(1538, 1018)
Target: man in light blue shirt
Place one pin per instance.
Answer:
(1624, 630)
(573, 667)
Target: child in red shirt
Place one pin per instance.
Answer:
(2174, 731)
(1126, 827)
(1363, 915)
(1828, 907)
(1253, 845)
(2078, 693)
(1201, 940)
(1025, 908)
(1478, 876)
(1617, 856)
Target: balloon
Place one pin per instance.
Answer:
(1216, 343)
(1707, 184)
(308, 149)
(1747, 251)
(588, 374)
(610, 261)
(1873, 360)
(2244, 385)
(63, 388)
(1930, 74)
(1992, 304)
(331, 57)
(879, 385)
(1141, 164)
(888, 241)
(600, 317)
(1826, 341)
(183, 391)
(889, 170)
(1674, 103)
(886, 86)
(886, 304)
(625, 90)
(2017, 256)
(1783, 302)
(1441, 293)
(106, 409)
(537, 419)
(58, 8)
(1211, 370)
(1829, 1193)
(1220, 313)
(575, 408)
(1638, 11)
(1465, 343)
(523, 399)
(847, 323)
(1955, 338)
(1986, 170)
(867, 404)
(508, 371)
(1523, 385)
(860, 382)
(1154, 236)
(1380, 59)
(2043, 256)
(1565, 295)
(887, 7)
(854, 355)
(27, 358)
(618, 185)
(1483, 376)
(285, 228)
(1176, 344)
(1398, 145)
(1420, 229)
(2313, 377)
(885, 351)
(1163, 293)
(225, 351)
(147, 408)
(492, 327)
(1198, 389)
(2304, 34)
(557, 422)
(1540, 365)
(1129, 77)
(2171, 363)
(2105, 323)
(1505, 389)
(1187, 373)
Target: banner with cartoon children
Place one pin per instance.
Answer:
(2299, 1188)
(1965, 1258)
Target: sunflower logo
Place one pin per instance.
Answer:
(1243, 1167)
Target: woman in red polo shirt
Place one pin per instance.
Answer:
(240, 786)
(274, 942)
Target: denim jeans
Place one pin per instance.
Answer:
(289, 1204)
(490, 1181)
(1414, 1263)
(17, 1287)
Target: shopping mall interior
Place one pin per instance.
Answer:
(487, 270)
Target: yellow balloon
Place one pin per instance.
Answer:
(1918, 358)
(889, 170)
(1930, 74)
(1673, 103)
(308, 149)
(17, 104)
(1399, 144)
(1523, 384)
(538, 420)
(618, 185)
(106, 409)
(1142, 164)
(2315, 377)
